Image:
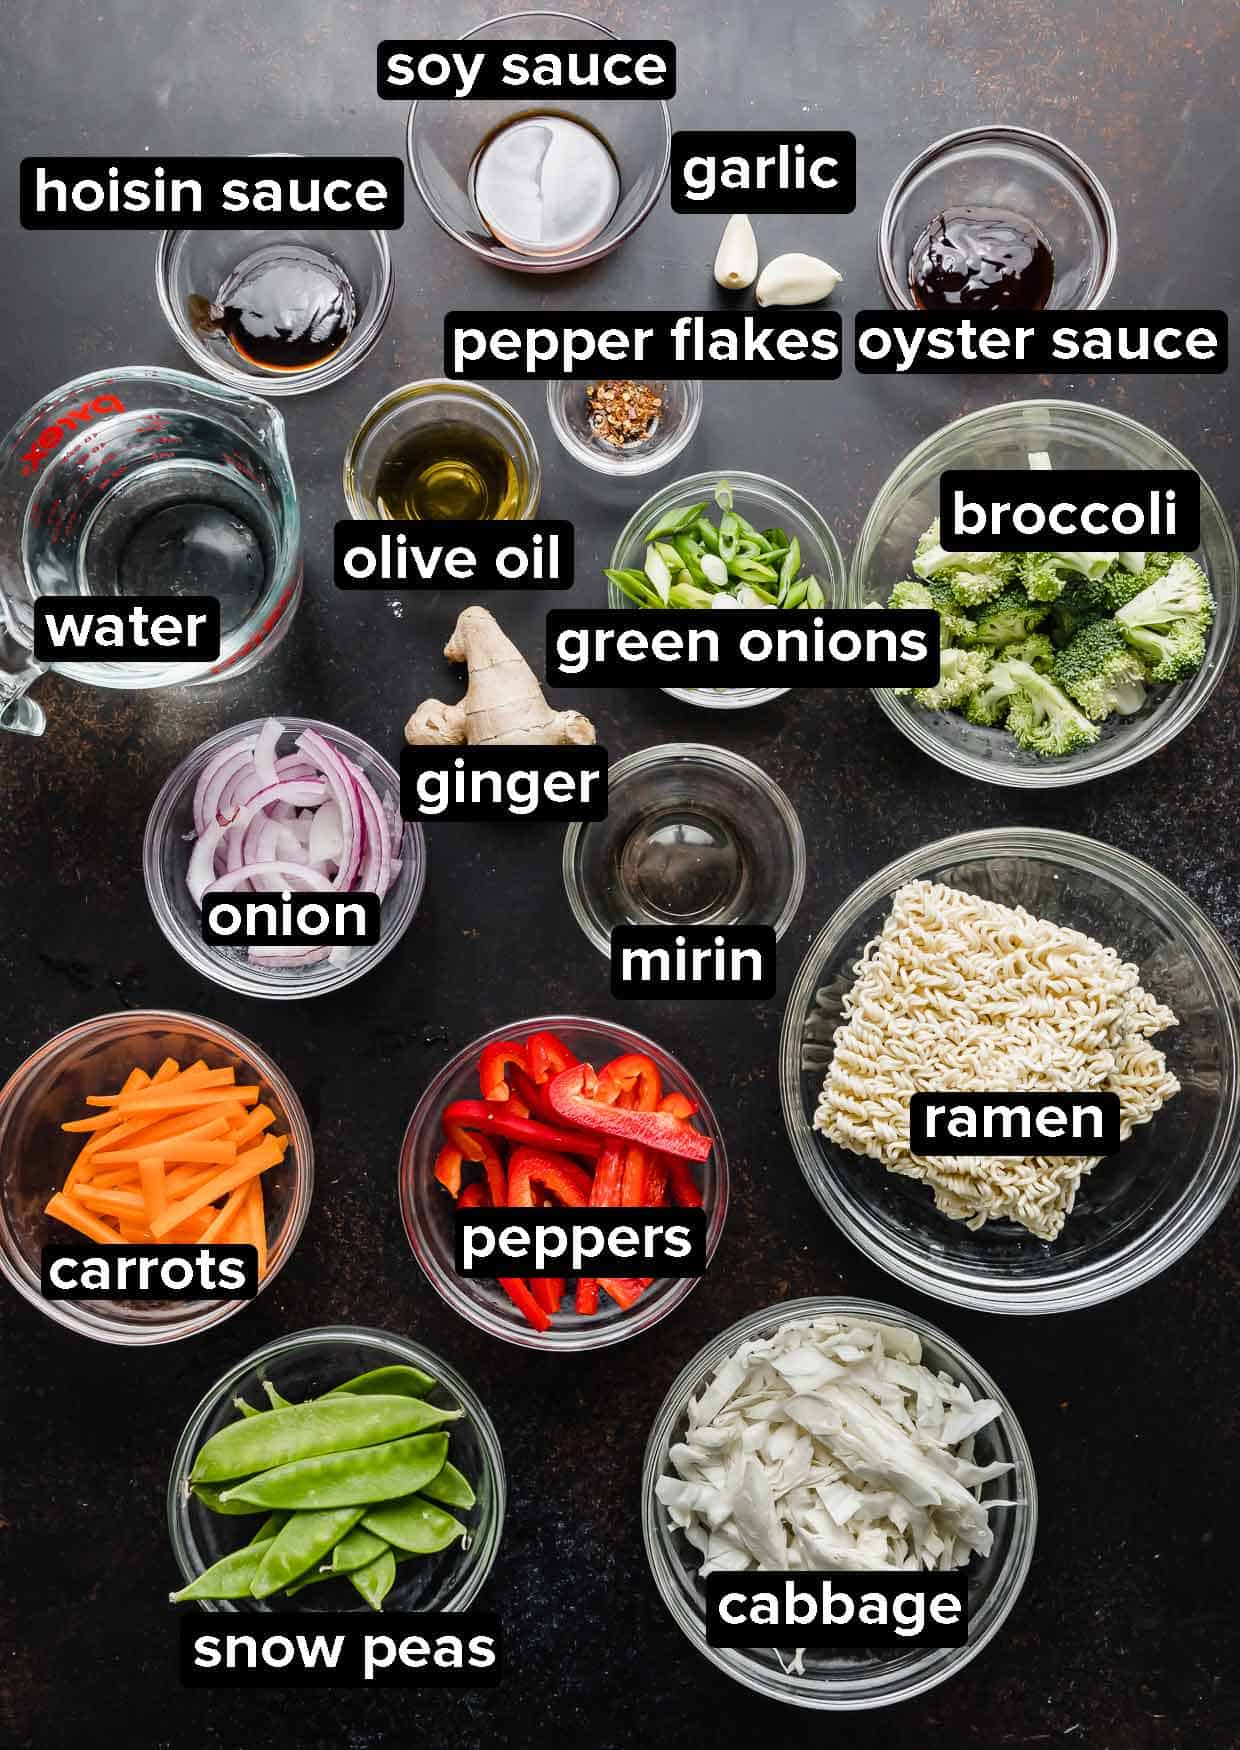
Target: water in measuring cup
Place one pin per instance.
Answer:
(156, 504)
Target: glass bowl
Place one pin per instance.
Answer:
(51, 1087)
(837, 1681)
(314, 1361)
(1139, 1210)
(434, 402)
(443, 138)
(1024, 171)
(569, 413)
(196, 264)
(166, 848)
(693, 835)
(1077, 436)
(765, 503)
(427, 1209)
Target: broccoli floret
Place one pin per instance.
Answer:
(1007, 619)
(1101, 672)
(1037, 650)
(961, 672)
(1045, 576)
(989, 704)
(1044, 719)
(1167, 623)
(972, 577)
(955, 626)
(1073, 611)
(1119, 583)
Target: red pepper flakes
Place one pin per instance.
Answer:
(623, 413)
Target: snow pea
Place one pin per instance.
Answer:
(401, 1382)
(355, 1549)
(274, 1398)
(279, 1437)
(303, 1541)
(271, 1524)
(350, 1478)
(246, 1409)
(376, 1579)
(209, 1496)
(450, 1487)
(416, 1525)
(230, 1577)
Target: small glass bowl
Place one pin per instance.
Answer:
(765, 503)
(50, 1088)
(197, 263)
(1077, 436)
(443, 138)
(569, 413)
(299, 1366)
(429, 402)
(168, 842)
(1024, 171)
(1139, 1210)
(741, 848)
(837, 1681)
(427, 1209)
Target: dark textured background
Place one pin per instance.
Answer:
(1121, 1638)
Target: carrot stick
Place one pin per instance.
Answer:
(156, 1100)
(141, 1136)
(265, 1154)
(226, 1216)
(167, 1069)
(116, 1176)
(193, 1229)
(65, 1209)
(134, 1233)
(187, 1178)
(104, 1121)
(114, 1202)
(254, 1124)
(154, 1187)
(256, 1217)
(221, 1152)
(137, 1078)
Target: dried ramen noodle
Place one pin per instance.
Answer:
(963, 995)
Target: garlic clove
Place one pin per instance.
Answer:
(736, 262)
(796, 279)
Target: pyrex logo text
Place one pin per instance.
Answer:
(52, 435)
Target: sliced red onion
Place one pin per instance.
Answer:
(310, 879)
(340, 783)
(215, 775)
(265, 749)
(306, 821)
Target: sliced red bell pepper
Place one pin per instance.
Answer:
(683, 1186)
(547, 1055)
(607, 1189)
(448, 1169)
(474, 1196)
(528, 1099)
(573, 1094)
(494, 1064)
(514, 1287)
(587, 1296)
(633, 1190)
(679, 1105)
(476, 1147)
(531, 1170)
(548, 1291)
(625, 1290)
(656, 1180)
(632, 1080)
(479, 1115)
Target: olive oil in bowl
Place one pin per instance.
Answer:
(447, 469)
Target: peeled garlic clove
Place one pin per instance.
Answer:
(796, 279)
(736, 264)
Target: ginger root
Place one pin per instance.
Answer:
(503, 704)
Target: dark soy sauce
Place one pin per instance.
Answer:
(981, 258)
(285, 308)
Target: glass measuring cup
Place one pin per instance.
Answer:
(142, 481)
